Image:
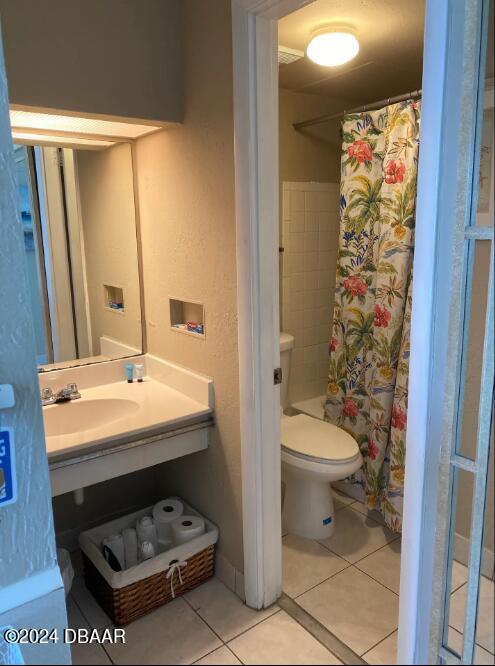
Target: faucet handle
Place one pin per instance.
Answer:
(46, 393)
(72, 387)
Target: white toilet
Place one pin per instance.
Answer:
(314, 453)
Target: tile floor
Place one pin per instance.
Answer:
(209, 625)
(349, 583)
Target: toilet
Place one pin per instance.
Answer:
(314, 453)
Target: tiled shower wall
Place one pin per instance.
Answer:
(310, 233)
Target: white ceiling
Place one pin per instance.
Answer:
(390, 33)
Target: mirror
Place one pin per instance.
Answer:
(79, 223)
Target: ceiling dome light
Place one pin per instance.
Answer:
(331, 48)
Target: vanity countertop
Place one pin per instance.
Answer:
(112, 414)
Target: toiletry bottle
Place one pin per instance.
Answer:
(129, 371)
(139, 371)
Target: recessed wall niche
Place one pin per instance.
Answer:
(114, 298)
(187, 317)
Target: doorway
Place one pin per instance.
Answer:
(255, 61)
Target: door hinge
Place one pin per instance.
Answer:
(277, 376)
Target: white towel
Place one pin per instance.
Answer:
(146, 531)
(116, 544)
(130, 547)
(147, 550)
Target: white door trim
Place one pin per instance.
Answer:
(254, 30)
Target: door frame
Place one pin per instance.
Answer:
(254, 25)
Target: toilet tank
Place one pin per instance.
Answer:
(286, 346)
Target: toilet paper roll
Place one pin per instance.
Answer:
(115, 543)
(146, 531)
(164, 513)
(147, 550)
(129, 536)
(186, 528)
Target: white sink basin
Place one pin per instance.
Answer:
(83, 414)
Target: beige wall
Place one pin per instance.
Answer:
(314, 153)
(108, 217)
(117, 57)
(186, 191)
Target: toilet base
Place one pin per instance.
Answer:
(308, 508)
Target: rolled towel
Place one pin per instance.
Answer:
(146, 531)
(147, 550)
(115, 544)
(186, 528)
(130, 547)
(164, 513)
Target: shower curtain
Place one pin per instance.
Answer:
(369, 345)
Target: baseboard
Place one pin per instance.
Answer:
(461, 554)
(229, 575)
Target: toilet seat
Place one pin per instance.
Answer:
(314, 440)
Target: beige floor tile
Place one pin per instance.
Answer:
(223, 611)
(342, 497)
(383, 653)
(356, 536)
(338, 505)
(355, 608)
(90, 653)
(486, 615)
(172, 634)
(459, 575)
(77, 562)
(481, 656)
(384, 565)
(280, 640)
(340, 501)
(92, 611)
(307, 563)
(374, 515)
(75, 618)
(219, 657)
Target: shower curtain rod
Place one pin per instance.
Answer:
(416, 94)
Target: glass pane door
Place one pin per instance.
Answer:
(468, 622)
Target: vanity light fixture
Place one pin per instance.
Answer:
(331, 47)
(46, 124)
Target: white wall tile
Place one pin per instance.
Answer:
(310, 234)
(311, 221)
(297, 202)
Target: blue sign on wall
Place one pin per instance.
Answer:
(8, 489)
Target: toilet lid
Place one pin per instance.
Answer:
(309, 437)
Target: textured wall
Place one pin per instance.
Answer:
(186, 191)
(117, 57)
(27, 545)
(109, 226)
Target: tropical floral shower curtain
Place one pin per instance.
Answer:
(369, 346)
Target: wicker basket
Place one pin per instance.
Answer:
(126, 604)
(125, 596)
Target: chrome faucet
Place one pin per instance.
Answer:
(48, 397)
